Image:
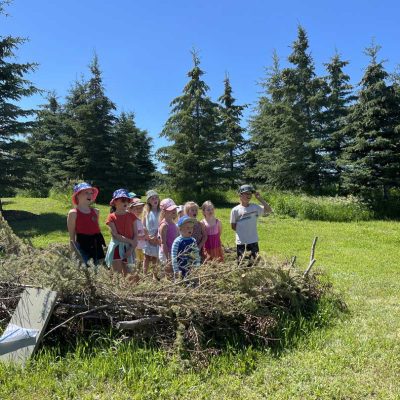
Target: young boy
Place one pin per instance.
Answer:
(185, 253)
(244, 221)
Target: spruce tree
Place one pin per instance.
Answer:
(232, 134)
(307, 95)
(275, 155)
(92, 120)
(192, 160)
(131, 162)
(15, 121)
(372, 158)
(339, 98)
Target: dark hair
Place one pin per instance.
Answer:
(112, 209)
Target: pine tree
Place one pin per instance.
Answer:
(131, 162)
(372, 158)
(232, 133)
(14, 120)
(275, 153)
(192, 160)
(334, 139)
(92, 120)
(306, 93)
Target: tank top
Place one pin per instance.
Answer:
(172, 233)
(87, 224)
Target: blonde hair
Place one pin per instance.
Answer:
(148, 208)
(206, 204)
(189, 204)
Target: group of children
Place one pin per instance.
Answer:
(159, 232)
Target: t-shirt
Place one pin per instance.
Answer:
(245, 219)
(123, 223)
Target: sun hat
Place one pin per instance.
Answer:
(120, 194)
(185, 219)
(151, 193)
(136, 202)
(246, 188)
(134, 195)
(83, 186)
(168, 205)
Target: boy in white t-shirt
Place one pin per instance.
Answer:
(244, 221)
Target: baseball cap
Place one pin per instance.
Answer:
(185, 219)
(246, 188)
(168, 205)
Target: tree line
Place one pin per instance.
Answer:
(313, 133)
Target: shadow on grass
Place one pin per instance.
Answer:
(26, 224)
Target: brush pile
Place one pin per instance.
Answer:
(216, 303)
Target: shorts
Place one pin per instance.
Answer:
(117, 255)
(241, 250)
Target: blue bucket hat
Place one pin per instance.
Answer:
(120, 194)
(83, 186)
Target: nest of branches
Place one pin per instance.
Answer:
(216, 303)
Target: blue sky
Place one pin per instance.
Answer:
(144, 46)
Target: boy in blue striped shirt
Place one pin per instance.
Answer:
(184, 252)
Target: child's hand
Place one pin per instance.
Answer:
(129, 252)
(257, 195)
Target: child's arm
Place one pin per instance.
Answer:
(233, 220)
(267, 207)
(174, 256)
(163, 235)
(204, 236)
(71, 225)
(119, 237)
(135, 235)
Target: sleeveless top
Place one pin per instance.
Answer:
(172, 234)
(87, 224)
(213, 235)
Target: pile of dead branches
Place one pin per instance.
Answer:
(216, 303)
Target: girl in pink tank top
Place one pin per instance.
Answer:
(212, 249)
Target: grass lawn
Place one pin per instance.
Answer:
(357, 357)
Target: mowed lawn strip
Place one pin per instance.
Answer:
(358, 357)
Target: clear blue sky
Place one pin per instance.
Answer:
(144, 46)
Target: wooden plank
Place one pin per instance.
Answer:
(33, 312)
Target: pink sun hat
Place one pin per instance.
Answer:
(168, 205)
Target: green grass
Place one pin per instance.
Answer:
(357, 357)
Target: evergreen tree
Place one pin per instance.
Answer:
(92, 120)
(192, 160)
(232, 133)
(275, 155)
(334, 138)
(372, 158)
(306, 93)
(14, 121)
(131, 163)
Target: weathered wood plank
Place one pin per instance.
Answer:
(33, 312)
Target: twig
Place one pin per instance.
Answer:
(312, 259)
(77, 315)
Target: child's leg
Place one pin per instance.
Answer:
(146, 262)
(117, 266)
(240, 250)
(254, 250)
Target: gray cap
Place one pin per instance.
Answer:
(151, 193)
(246, 188)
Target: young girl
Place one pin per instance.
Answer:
(212, 249)
(123, 229)
(83, 224)
(191, 209)
(167, 232)
(136, 208)
(150, 220)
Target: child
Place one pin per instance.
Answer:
(136, 207)
(180, 210)
(123, 229)
(212, 249)
(167, 232)
(83, 225)
(244, 221)
(185, 252)
(150, 221)
(199, 232)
